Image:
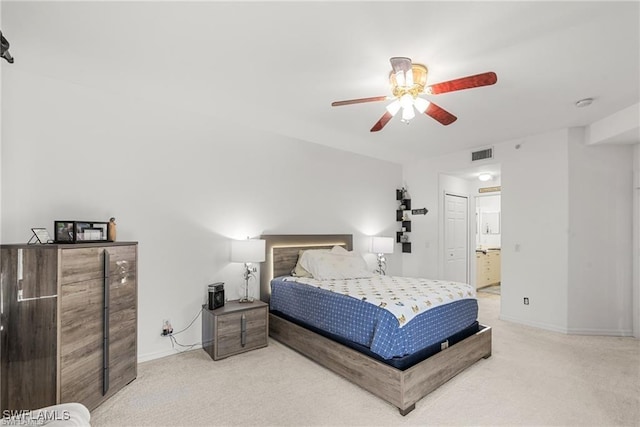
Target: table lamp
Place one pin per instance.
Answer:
(381, 246)
(246, 252)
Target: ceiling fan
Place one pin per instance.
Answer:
(407, 82)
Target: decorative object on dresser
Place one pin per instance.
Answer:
(216, 295)
(41, 236)
(80, 231)
(381, 246)
(247, 251)
(111, 230)
(68, 325)
(234, 328)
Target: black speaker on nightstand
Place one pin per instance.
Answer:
(216, 295)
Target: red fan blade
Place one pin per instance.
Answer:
(382, 122)
(440, 114)
(484, 79)
(359, 101)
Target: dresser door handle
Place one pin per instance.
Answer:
(105, 342)
(243, 330)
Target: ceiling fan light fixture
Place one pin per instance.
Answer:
(408, 78)
(421, 104)
(407, 114)
(406, 100)
(394, 107)
(411, 81)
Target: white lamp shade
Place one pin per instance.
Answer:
(394, 107)
(382, 245)
(421, 104)
(249, 250)
(408, 113)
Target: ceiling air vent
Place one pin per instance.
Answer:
(487, 153)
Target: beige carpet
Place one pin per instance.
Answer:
(534, 377)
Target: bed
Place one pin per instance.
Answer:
(401, 384)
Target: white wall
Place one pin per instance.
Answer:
(534, 229)
(536, 223)
(180, 184)
(600, 241)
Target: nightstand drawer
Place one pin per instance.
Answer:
(234, 328)
(241, 331)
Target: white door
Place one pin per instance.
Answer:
(456, 238)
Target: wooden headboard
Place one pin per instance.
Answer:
(282, 254)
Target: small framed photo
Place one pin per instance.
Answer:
(80, 231)
(41, 235)
(64, 231)
(101, 228)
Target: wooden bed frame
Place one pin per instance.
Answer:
(401, 388)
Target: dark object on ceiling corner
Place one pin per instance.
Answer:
(4, 49)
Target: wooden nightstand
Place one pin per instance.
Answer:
(234, 328)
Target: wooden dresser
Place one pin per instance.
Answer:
(487, 268)
(69, 323)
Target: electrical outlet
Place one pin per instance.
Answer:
(167, 329)
(526, 300)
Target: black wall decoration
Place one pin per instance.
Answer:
(402, 236)
(4, 49)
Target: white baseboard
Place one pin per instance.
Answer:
(571, 331)
(539, 325)
(160, 354)
(601, 332)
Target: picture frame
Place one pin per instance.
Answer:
(80, 231)
(41, 236)
(64, 231)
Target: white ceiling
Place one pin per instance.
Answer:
(279, 65)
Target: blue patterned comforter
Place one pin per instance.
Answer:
(367, 324)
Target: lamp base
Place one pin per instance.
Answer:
(382, 265)
(246, 299)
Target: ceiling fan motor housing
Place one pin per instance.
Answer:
(419, 72)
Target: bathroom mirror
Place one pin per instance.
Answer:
(490, 223)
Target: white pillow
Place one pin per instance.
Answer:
(331, 265)
(299, 270)
(341, 251)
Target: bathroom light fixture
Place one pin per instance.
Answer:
(246, 252)
(381, 246)
(485, 177)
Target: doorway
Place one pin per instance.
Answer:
(456, 232)
(467, 186)
(488, 243)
